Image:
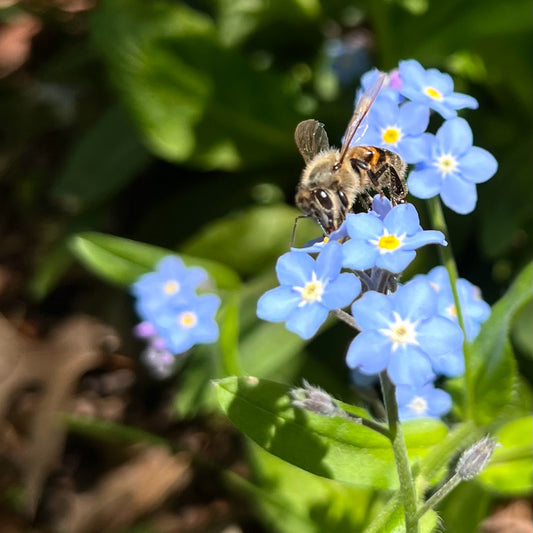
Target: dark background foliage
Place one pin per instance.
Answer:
(172, 123)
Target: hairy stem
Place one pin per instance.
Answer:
(447, 259)
(407, 486)
(346, 317)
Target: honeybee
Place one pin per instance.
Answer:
(333, 180)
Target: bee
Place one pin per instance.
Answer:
(333, 180)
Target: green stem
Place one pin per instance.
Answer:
(446, 255)
(407, 486)
(436, 498)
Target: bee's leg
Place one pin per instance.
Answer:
(366, 200)
(397, 186)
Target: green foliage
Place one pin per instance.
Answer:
(331, 447)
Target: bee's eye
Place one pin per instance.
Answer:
(343, 198)
(323, 198)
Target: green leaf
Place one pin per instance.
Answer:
(122, 261)
(331, 447)
(105, 159)
(511, 469)
(250, 240)
(193, 99)
(493, 367)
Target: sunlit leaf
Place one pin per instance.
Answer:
(122, 261)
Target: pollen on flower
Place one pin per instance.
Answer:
(326, 240)
(171, 287)
(447, 163)
(391, 135)
(418, 405)
(433, 93)
(187, 319)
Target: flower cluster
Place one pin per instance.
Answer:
(446, 163)
(174, 317)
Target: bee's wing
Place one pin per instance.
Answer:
(311, 138)
(361, 110)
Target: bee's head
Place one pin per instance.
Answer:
(326, 207)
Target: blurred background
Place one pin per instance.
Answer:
(171, 123)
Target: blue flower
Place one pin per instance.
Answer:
(474, 310)
(182, 324)
(425, 401)
(397, 128)
(432, 88)
(171, 281)
(452, 167)
(381, 206)
(308, 290)
(389, 243)
(401, 333)
(390, 88)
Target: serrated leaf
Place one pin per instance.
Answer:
(122, 261)
(331, 447)
(511, 469)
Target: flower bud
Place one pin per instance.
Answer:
(474, 460)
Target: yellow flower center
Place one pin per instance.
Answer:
(433, 93)
(401, 332)
(418, 405)
(312, 291)
(452, 310)
(447, 163)
(389, 242)
(171, 287)
(391, 135)
(187, 319)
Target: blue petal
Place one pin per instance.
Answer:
(364, 226)
(455, 137)
(411, 71)
(450, 364)
(414, 118)
(422, 238)
(295, 269)
(402, 219)
(373, 311)
(412, 149)
(369, 352)
(385, 112)
(439, 80)
(442, 108)
(439, 402)
(425, 183)
(381, 206)
(277, 304)
(341, 292)
(396, 261)
(329, 261)
(460, 101)
(459, 195)
(409, 366)
(306, 320)
(438, 336)
(171, 265)
(359, 255)
(478, 165)
(415, 300)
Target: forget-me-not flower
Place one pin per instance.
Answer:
(389, 243)
(420, 402)
(397, 128)
(432, 88)
(401, 333)
(182, 324)
(452, 167)
(170, 281)
(308, 290)
(474, 309)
